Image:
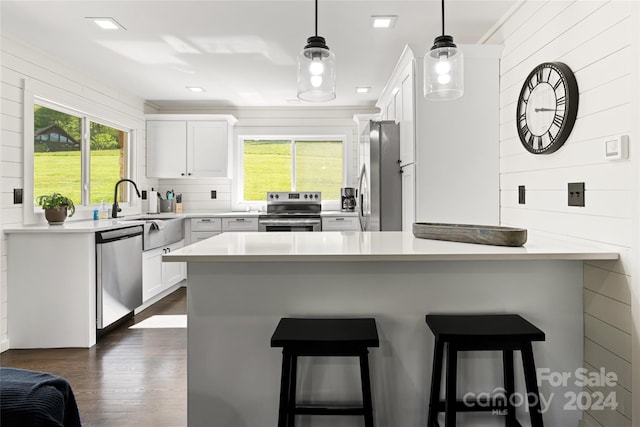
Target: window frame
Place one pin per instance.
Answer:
(238, 204)
(36, 93)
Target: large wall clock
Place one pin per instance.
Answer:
(547, 107)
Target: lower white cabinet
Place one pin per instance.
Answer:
(408, 196)
(157, 275)
(240, 224)
(341, 223)
(203, 228)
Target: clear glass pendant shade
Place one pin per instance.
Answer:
(444, 70)
(316, 72)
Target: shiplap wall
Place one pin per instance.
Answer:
(599, 41)
(65, 85)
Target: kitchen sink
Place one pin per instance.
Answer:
(159, 229)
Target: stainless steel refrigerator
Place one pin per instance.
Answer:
(380, 183)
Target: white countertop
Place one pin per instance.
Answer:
(373, 246)
(90, 226)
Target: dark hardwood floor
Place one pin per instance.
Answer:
(131, 377)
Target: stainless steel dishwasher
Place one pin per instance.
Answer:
(118, 273)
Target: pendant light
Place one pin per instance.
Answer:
(443, 68)
(316, 70)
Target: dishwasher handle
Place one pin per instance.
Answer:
(118, 234)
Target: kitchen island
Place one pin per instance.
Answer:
(241, 284)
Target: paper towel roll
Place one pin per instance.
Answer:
(153, 201)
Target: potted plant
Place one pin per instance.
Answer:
(56, 206)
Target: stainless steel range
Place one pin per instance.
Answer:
(292, 211)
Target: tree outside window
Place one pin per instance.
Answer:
(58, 156)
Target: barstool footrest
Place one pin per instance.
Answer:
(473, 406)
(324, 409)
(514, 423)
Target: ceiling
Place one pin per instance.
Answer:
(243, 53)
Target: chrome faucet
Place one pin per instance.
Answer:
(115, 208)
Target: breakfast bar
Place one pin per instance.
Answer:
(241, 284)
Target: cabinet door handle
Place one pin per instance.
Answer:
(189, 174)
(168, 250)
(206, 220)
(182, 174)
(164, 251)
(240, 219)
(339, 219)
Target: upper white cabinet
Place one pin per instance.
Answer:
(189, 146)
(397, 103)
(406, 117)
(453, 145)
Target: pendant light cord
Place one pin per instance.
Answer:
(317, 18)
(442, 17)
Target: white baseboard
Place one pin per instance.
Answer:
(4, 345)
(158, 297)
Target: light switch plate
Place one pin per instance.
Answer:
(617, 148)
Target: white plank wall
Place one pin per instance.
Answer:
(580, 34)
(65, 85)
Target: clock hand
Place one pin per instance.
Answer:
(537, 110)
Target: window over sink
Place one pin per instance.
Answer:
(77, 155)
(293, 163)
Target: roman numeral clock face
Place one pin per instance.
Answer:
(547, 107)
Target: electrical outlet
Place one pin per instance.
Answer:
(576, 193)
(144, 194)
(17, 196)
(521, 192)
(214, 194)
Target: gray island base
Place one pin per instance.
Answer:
(241, 284)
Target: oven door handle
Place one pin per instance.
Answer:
(293, 222)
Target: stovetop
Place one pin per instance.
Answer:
(294, 203)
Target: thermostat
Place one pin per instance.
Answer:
(617, 148)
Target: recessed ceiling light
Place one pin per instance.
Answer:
(362, 89)
(195, 88)
(106, 23)
(383, 21)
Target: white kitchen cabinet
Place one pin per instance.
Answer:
(189, 146)
(152, 283)
(158, 276)
(203, 228)
(207, 148)
(406, 119)
(166, 148)
(397, 101)
(341, 223)
(240, 224)
(452, 144)
(408, 196)
(174, 272)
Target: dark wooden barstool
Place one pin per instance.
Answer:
(323, 337)
(505, 332)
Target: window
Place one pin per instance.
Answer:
(83, 169)
(292, 164)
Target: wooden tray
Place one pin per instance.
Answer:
(468, 233)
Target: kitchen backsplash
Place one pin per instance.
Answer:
(196, 194)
